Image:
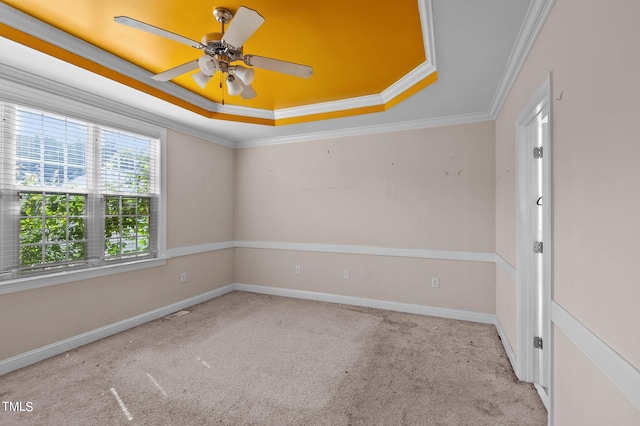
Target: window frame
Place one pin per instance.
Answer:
(100, 112)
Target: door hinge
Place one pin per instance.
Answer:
(537, 246)
(537, 342)
(537, 152)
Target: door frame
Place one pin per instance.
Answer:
(526, 359)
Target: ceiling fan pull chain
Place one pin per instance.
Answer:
(221, 89)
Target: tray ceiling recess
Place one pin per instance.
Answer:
(287, 63)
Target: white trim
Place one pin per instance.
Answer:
(39, 281)
(468, 256)
(527, 368)
(368, 130)
(428, 31)
(23, 22)
(544, 397)
(414, 77)
(32, 90)
(162, 217)
(43, 31)
(36, 355)
(202, 248)
(433, 311)
(327, 107)
(621, 372)
(35, 282)
(534, 21)
(513, 358)
(22, 87)
(506, 267)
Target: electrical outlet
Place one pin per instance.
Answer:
(346, 274)
(183, 277)
(298, 272)
(435, 282)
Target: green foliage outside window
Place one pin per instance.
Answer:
(52, 228)
(54, 152)
(127, 225)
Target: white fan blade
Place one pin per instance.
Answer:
(248, 92)
(277, 65)
(245, 22)
(176, 71)
(125, 20)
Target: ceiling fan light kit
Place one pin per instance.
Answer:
(245, 74)
(233, 85)
(221, 50)
(201, 79)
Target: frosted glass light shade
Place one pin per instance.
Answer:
(233, 86)
(201, 78)
(245, 74)
(207, 66)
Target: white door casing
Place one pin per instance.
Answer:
(534, 272)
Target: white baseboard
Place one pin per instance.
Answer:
(36, 355)
(507, 345)
(544, 397)
(371, 303)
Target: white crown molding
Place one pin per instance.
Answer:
(327, 107)
(22, 87)
(421, 72)
(25, 23)
(433, 311)
(534, 21)
(43, 31)
(428, 31)
(617, 369)
(48, 33)
(415, 76)
(396, 89)
(369, 130)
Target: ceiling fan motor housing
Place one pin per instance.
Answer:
(216, 47)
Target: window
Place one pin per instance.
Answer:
(74, 194)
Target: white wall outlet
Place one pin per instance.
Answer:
(183, 277)
(435, 282)
(298, 271)
(346, 274)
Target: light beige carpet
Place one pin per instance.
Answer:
(249, 359)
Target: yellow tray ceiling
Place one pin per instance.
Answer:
(356, 48)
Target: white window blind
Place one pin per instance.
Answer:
(74, 193)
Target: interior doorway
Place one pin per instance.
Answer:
(534, 244)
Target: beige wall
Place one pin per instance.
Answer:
(200, 191)
(466, 286)
(424, 189)
(421, 189)
(200, 210)
(586, 397)
(591, 48)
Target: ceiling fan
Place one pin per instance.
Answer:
(221, 51)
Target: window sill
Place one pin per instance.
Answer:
(30, 283)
